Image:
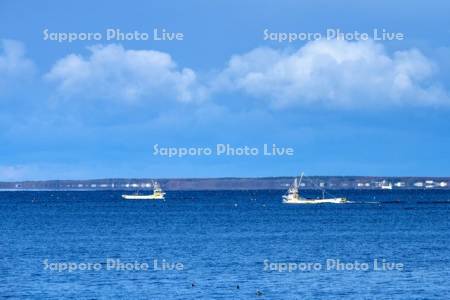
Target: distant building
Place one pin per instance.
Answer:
(400, 184)
(363, 184)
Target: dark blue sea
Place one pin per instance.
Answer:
(226, 245)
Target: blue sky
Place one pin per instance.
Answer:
(95, 109)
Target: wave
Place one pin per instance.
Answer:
(434, 202)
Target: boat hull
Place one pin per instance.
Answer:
(143, 197)
(315, 201)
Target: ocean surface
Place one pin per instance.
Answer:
(224, 245)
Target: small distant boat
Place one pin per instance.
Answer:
(158, 194)
(386, 185)
(293, 196)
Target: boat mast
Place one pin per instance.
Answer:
(301, 177)
(300, 181)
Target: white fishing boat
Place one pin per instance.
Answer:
(158, 194)
(293, 196)
(386, 185)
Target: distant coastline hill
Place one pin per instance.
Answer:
(233, 183)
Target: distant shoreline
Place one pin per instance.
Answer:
(231, 183)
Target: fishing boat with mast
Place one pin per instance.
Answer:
(293, 195)
(158, 194)
(386, 185)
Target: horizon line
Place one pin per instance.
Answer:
(222, 178)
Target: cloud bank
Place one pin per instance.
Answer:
(327, 73)
(334, 73)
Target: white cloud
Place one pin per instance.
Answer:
(14, 66)
(13, 172)
(131, 75)
(47, 171)
(334, 73)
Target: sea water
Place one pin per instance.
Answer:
(224, 245)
